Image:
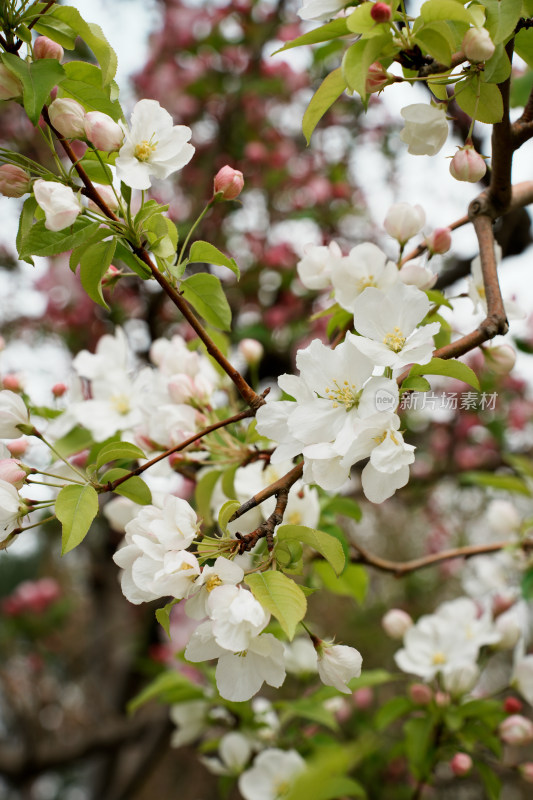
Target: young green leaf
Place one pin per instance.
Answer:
(134, 488)
(205, 253)
(25, 225)
(76, 507)
(39, 241)
(84, 83)
(118, 450)
(205, 294)
(38, 79)
(327, 32)
(281, 596)
(94, 263)
(327, 93)
(92, 35)
(449, 367)
(328, 546)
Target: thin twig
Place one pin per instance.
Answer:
(246, 542)
(284, 482)
(43, 12)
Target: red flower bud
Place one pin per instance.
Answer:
(461, 764)
(44, 47)
(229, 183)
(381, 12)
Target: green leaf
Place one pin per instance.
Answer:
(446, 10)
(203, 493)
(57, 30)
(41, 242)
(308, 708)
(490, 780)
(205, 294)
(325, 776)
(97, 172)
(353, 582)
(521, 88)
(77, 252)
(162, 615)
(358, 58)
(134, 488)
(418, 744)
(124, 254)
(93, 36)
(435, 42)
(344, 506)
(506, 483)
(118, 450)
(489, 107)
(226, 512)
(501, 18)
(76, 507)
(526, 585)
(205, 253)
(373, 677)
(391, 711)
(328, 546)
(523, 46)
(281, 596)
(436, 298)
(327, 93)
(25, 225)
(73, 442)
(94, 263)
(169, 687)
(450, 367)
(415, 384)
(84, 83)
(498, 68)
(325, 33)
(360, 21)
(38, 79)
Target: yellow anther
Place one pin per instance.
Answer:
(121, 403)
(344, 395)
(144, 150)
(394, 340)
(212, 582)
(438, 658)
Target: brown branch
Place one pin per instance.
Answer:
(421, 248)
(112, 485)
(500, 189)
(401, 568)
(285, 482)
(43, 12)
(246, 542)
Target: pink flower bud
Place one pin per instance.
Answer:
(10, 87)
(512, 705)
(377, 78)
(11, 382)
(59, 389)
(526, 771)
(43, 47)
(477, 45)
(229, 182)
(420, 694)
(80, 459)
(516, 730)
(461, 764)
(68, 117)
(403, 221)
(467, 165)
(439, 241)
(108, 196)
(363, 698)
(381, 12)
(500, 360)
(111, 276)
(396, 623)
(14, 181)
(12, 472)
(18, 446)
(103, 132)
(251, 350)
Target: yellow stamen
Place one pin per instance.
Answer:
(144, 150)
(346, 396)
(438, 658)
(212, 582)
(394, 340)
(121, 403)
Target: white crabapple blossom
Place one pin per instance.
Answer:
(387, 322)
(153, 557)
(271, 775)
(61, 205)
(222, 572)
(234, 751)
(413, 273)
(433, 646)
(190, 719)
(403, 221)
(316, 266)
(320, 9)
(236, 616)
(365, 265)
(425, 130)
(13, 412)
(337, 664)
(12, 509)
(153, 146)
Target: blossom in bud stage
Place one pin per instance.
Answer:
(102, 131)
(337, 664)
(467, 165)
(461, 764)
(234, 750)
(13, 413)
(461, 678)
(420, 694)
(477, 45)
(516, 730)
(403, 221)
(108, 196)
(272, 773)
(11, 509)
(413, 273)
(152, 146)
(510, 630)
(14, 181)
(320, 9)
(18, 447)
(59, 389)
(61, 205)
(381, 12)
(440, 241)
(43, 47)
(396, 623)
(10, 86)
(228, 183)
(251, 350)
(377, 78)
(12, 382)
(11, 471)
(500, 359)
(512, 705)
(68, 117)
(425, 130)
(316, 266)
(526, 771)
